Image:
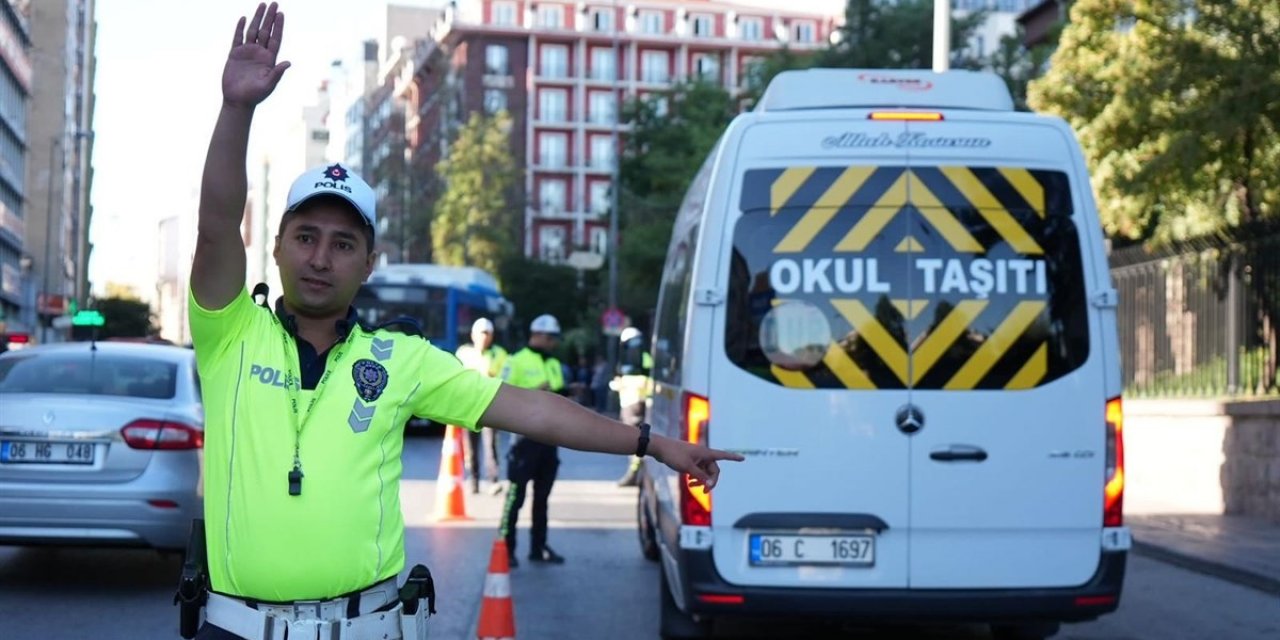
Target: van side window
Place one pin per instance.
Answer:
(673, 310)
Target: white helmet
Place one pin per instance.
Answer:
(545, 323)
(483, 325)
(629, 334)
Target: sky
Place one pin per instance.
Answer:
(158, 93)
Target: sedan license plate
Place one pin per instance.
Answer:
(828, 549)
(35, 452)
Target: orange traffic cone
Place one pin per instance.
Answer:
(497, 615)
(450, 503)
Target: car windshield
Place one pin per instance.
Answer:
(88, 374)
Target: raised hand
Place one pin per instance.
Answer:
(251, 72)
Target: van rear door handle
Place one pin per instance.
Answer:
(958, 453)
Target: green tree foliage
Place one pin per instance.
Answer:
(536, 287)
(877, 35)
(1176, 104)
(125, 318)
(661, 154)
(475, 220)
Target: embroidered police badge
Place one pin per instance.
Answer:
(370, 378)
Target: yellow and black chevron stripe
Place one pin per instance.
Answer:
(905, 339)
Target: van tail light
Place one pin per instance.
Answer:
(695, 502)
(161, 434)
(1113, 504)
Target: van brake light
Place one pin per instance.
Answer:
(1113, 492)
(695, 502)
(915, 116)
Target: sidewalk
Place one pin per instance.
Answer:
(1242, 550)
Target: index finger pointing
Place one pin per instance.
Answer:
(717, 454)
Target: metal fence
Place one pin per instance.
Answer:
(1200, 319)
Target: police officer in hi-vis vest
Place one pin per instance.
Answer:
(304, 405)
(487, 357)
(533, 367)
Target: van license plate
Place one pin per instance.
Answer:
(28, 452)
(770, 549)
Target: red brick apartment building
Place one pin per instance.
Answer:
(562, 70)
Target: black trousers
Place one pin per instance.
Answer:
(477, 441)
(529, 461)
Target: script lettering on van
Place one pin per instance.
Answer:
(905, 140)
(978, 277)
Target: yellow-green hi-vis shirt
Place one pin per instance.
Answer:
(344, 531)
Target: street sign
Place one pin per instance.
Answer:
(613, 321)
(88, 318)
(585, 260)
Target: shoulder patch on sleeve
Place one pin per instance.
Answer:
(403, 324)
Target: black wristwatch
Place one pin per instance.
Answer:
(642, 445)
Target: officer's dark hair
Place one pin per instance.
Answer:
(339, 201)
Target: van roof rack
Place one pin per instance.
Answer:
(887, 88)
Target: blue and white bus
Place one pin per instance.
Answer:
(443, 300)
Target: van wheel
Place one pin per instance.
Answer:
(674, 624)
(645, 528)
(1025, 631)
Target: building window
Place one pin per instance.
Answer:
(495, 100)
(504, 14)
(602, 152)
(552, 105)
(655, 67)
(554, 150)
(602, 20)
(320, 135)
(600, 198)
(706, 66)
(552, 197)
(551, 16)
(751, 29)
(600, 241)
(752, 71)
(551, 243)
(805, 32)
(651, 22)
(660, 106)
(703, 26)
(603, 64)
(555, 61)
(495, 60)
(603, 107)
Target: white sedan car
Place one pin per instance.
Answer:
(100, 444)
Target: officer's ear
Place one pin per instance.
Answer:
(369, 262)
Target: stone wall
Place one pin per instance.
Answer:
(1203, 456)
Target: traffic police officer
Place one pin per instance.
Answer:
(533, 367)
(487, 357)
(305, 406)
(632, 386)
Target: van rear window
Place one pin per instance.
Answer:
(939, 277)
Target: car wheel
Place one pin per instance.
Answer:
(673, 623)
(645, 528)
(1025, 631)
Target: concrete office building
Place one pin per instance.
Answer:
(59, 142)
(562, 69)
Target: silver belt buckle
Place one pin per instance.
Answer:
(300, 606)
